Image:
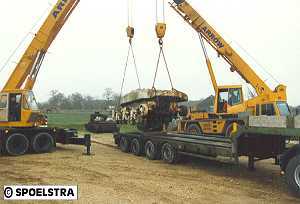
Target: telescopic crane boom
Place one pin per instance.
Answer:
(23, 127)
(264, 93)
(30, 63)
(17, 103)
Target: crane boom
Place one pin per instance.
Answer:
(25, 73)
(192, 17)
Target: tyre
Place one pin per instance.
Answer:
(16, 144)
(292, 175)
(151, 150)
(194, 129)
(136, 148)
(42, 143)
(124, 144)
(168, 153)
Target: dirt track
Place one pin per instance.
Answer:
(110, 176)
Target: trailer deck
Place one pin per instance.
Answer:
(256, 143)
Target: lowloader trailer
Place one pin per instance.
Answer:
(256, 143)
(19, 141)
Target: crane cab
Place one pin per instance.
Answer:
(18, 108)
(228, 104)
(229, 99)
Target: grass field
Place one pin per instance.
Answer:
(69, 119)
(77, 120)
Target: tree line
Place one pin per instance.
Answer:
(77, 101)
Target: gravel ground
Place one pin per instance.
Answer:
(110, 176)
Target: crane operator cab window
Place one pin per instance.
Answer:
(269, 109)
(284, 109)
(15, 101)
(229, 97)
(30, 102)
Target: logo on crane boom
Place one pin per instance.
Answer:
(213, 37)
(59, 8)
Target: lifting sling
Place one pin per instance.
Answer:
(160, 29)
(130, 35)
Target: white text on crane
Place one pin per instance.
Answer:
(59, 8)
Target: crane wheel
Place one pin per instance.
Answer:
(136, 148)
(169, 154)
(151, 150)
(194, 129)
(16, 144)
(292, 175)
(42, 143)
(124, 144)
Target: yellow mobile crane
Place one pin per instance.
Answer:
(229, 100)
(22, 125)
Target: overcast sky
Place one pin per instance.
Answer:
(89, 53)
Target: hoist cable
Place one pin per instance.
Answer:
(164, 16)
(163, 11)
(130, 51)
(128, 12)
(156, 10)
(160, 31)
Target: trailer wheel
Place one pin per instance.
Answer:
(292, 175)
(16, 144)
(124, 144)
(42, 143)
(136, 148)
(194, 129)
(168, 153)
(151, 150)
